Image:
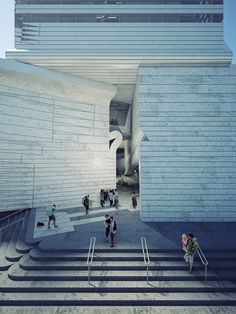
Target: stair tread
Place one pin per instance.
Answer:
(113, 254)
(11, 253)
(31, 264)
(117, 289)
(21, 246)
(118, 303)
(122, 296)
(117, 275)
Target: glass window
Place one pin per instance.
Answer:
(120, 2)
(121, 18)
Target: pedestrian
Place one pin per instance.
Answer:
(106, 195)
(134, 200)
(102, 201)
(191, 247)
(111, 197)
(116, 200)
(113, 229)
(107, 224)
(86, 203)
(51, 216)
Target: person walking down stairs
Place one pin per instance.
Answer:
(51, 216)
(191, 247)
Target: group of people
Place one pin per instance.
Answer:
(190, 246)
(111, 228)
(109, 195)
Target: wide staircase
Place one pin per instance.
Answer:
(35, 275)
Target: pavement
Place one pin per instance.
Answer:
(75, 229)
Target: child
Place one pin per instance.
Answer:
(184, 242)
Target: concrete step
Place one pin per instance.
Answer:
(29, 234)
(117, 303)
(116, 256)
(6, 239)
(44, 275)
(27, 263)
(7, 282)
(120, 290)
(44, 248)
(21, 245)
(197, 262)
(11, 254)
(123, 268)
(96, 295)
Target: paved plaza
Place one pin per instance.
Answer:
(75, 229)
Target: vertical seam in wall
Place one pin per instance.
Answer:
(94, 119)
(53, 110)
(39, 33)
(33, 186)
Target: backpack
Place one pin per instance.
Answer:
(115, 226)
(85, 201)
(195, 245)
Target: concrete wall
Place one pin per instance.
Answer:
(137, 133)
(54, 139)
(188, 160)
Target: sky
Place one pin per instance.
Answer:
(7, 25)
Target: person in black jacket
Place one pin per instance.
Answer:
(85, 202)
(107, 224)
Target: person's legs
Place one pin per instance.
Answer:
(107, 232)
(191, 262)
(189, 259)
(54, 221)
(112, 239)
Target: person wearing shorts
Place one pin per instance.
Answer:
(191, 247)
(51, 215)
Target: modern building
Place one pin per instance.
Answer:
(156, 72)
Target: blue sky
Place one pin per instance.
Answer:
(7, 25)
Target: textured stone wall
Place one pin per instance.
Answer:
(188, 157)
(54, 138)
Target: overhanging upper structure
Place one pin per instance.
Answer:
(108, 40)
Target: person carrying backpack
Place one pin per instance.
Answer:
(113, 229)
(85, 202)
